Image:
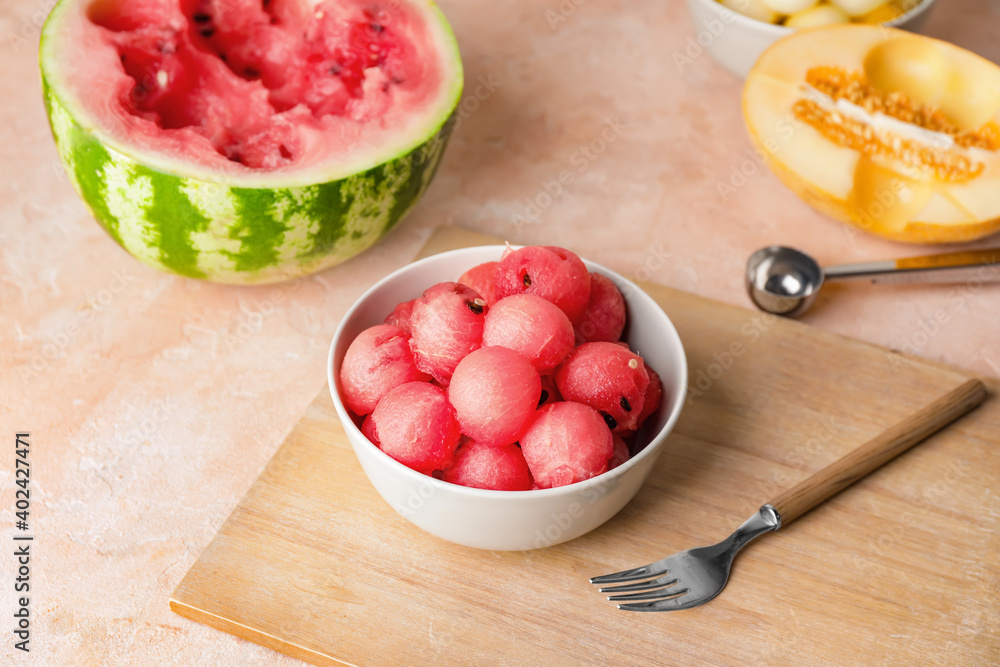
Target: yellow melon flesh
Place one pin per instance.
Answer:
(817, 16)
(973, 93)
(755, 9)
(882, 196)
(883, 13)
(859, 7)
(790, 6)
(911, 65)
(891, 132)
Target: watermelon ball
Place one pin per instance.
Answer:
(368, 430)
(378, 359)
(400, 316)
(654, 394)
(604, 318)
(482, 279)
(621, 453)
(566, 443)
(482, 466)
(609, 378)
(447, 324)
(532, 326)
(415, 424)
(495, 392)
(555, 274)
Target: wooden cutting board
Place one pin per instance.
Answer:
(901, 568)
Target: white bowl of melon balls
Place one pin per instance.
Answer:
(507, 398)
(736, 32)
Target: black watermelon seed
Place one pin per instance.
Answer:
(527, 280)
(625, 404)
(474, 307)
(201, 18)
(544, 397)
(610, 421)
(207, 32)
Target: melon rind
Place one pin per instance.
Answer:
(971, 209)
(217, 229)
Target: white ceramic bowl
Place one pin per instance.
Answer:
(510, 520)
(736, 41)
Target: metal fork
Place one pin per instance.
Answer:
(693, 577)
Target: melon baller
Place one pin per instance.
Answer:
(785, 281)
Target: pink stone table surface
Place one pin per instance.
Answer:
(154, 401)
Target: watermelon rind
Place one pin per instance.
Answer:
(236, 229)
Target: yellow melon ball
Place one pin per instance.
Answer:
(859, 7)
(817, 16)
(884, 13)
(754, 9)
(790, 6)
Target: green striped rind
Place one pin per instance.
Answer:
(241, 235)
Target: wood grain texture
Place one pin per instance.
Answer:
(901, 568)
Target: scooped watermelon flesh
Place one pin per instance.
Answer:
(254, 79)
(275, 137)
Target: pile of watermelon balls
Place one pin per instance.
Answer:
(513, 378)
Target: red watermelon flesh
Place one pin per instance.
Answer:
(265, 84)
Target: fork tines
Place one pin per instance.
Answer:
(643, 572)
(657, 591)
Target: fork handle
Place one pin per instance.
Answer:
(883, 448)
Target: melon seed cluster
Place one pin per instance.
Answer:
(811, 13)
(513, 378)
(837, 83)
(914, 156)
(908, 79)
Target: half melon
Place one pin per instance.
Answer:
(892, 132)
(249, 141)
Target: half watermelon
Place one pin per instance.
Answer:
(249, 141)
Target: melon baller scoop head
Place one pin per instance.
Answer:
(785, 281)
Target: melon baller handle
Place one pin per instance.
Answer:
(967, 265)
